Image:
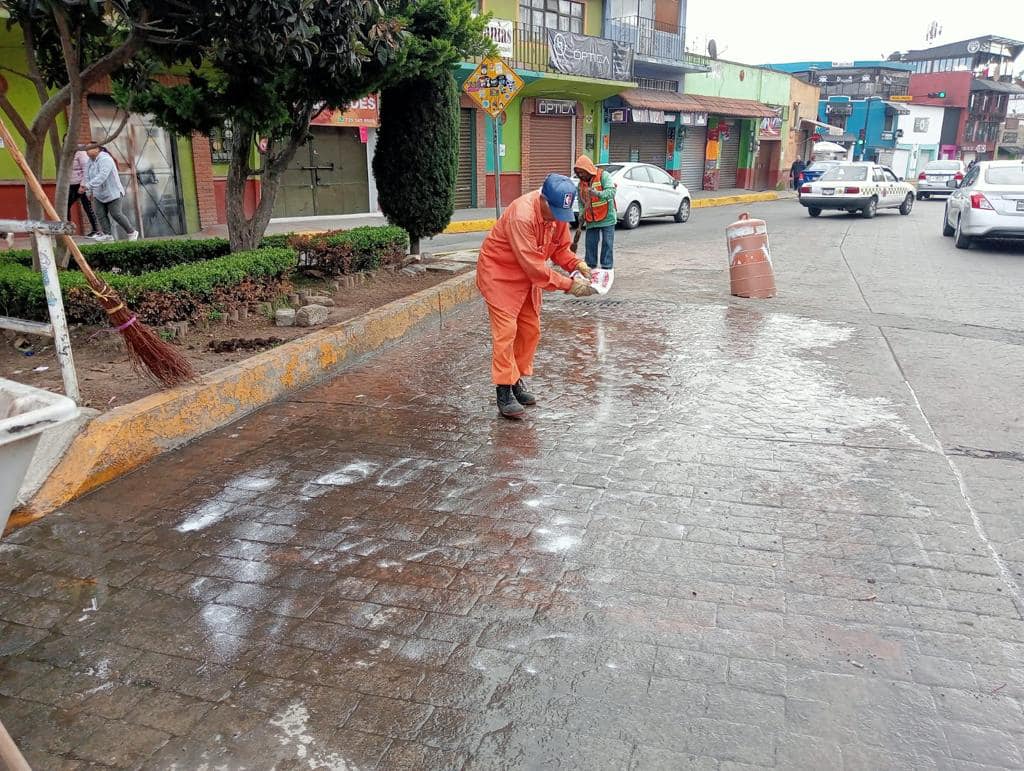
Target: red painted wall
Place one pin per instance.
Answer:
(252, 197)
(511, 188)
(12, 199)
(957, 86)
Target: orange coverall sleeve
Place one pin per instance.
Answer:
(562, 256)
(532, 260)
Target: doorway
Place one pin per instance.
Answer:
(147, 163)
(328, 175)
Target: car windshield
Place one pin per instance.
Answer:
(1005, 175)
(846, 174)
(942, 166)
(611, 168)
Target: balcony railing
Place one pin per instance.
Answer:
(550, 50)
(654, 39)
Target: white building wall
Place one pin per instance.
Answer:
(922, 133)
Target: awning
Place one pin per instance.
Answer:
(897, 108)
(829, 128)
(648, 99)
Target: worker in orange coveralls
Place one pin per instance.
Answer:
(513, 269)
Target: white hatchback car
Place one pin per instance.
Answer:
(989, 203)
(643, 191)
(857, 187)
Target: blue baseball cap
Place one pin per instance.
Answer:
(560, 193)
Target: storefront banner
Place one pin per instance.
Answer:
(362, 112)
(589, 57)
(500, 31)
(647, 116)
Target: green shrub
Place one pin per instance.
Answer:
(179, 293)
(351, 251)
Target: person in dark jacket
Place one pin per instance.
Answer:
(796, 170)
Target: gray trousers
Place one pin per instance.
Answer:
(112, 210)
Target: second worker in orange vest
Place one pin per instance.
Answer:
(597, 212)
(511, 273)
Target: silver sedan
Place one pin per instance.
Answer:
(989, 203)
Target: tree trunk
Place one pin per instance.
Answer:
(34, 149)
(414, 245)
(247, 232)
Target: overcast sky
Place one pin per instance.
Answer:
(786, 30)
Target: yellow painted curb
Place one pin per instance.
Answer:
(729, 200)
(470, 226)
(128, 437)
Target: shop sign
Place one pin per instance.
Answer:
(555, 107)
(901, 98)
(693, 118)
(361, 112)
(500, 31)
(618, 115)
(590, 57)
(648, 116)
(980, 148)
(771, 127)
(493, 85)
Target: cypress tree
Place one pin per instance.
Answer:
(417, 156)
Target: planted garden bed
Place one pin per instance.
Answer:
(218, 306)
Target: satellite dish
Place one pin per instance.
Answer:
(712, 49)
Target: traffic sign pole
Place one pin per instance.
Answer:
(496, 120)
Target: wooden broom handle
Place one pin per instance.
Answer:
(40, 194)
(10, 754)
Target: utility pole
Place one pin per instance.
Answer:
(867, 116)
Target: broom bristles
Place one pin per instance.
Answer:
(149, 355)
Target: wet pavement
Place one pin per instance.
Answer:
(733, 534)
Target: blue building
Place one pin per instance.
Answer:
(862, 98)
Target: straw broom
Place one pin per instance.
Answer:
(148, 354)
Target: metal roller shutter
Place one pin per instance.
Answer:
(551, 146)
(464, 182)
(639, 142)
(694, 144)
(730, 158)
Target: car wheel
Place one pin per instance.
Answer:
(960, 240)
(632, 217)
(920, 196)
(684, 211)
(908, 205)
(871, 209)
(925, 196)
(947, 231)
(814, 211)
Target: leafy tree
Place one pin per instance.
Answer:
(418, 143)
(267, 68)
(418, 155)
(69, 46)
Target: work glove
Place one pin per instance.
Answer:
(583, 268)
(581, 289)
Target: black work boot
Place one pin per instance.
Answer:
(507, 404)
(523, 396)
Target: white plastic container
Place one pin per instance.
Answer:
(25, 413)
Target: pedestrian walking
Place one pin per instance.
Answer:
(796, 170)
(104, 186)
(77, 195)
(513, 270)
(597, 213)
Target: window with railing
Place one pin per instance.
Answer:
(658, 85)
(536, 16)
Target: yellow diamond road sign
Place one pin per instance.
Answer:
(493, 85)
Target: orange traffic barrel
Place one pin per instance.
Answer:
(750, 258)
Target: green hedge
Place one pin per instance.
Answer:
(351, 251)
(178, 293)
(138, 257)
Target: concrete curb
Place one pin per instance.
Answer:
(470, 226)
(130, 436)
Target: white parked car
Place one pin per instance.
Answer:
(934, 176)
(989, 203)
(861, 186)
(643, 191)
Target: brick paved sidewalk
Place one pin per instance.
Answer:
(724, 540)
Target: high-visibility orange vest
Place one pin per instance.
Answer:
(594, 211)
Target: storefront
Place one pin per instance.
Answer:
(695, 140)
(728, 135)
(330, 173)
(639, 135)
(551, 138)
